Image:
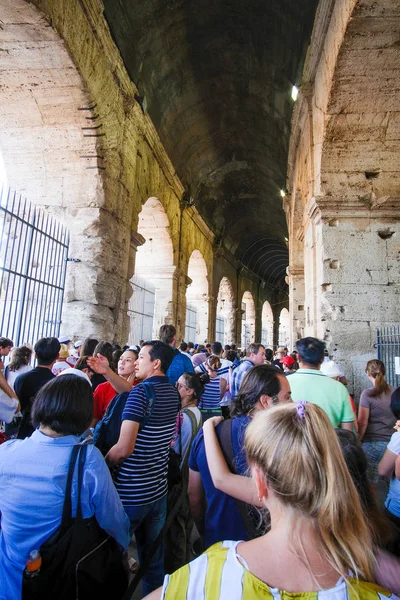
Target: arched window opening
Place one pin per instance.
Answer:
(196, 330)
(284, 328)
(267, 325)
(248, 320)
(151, 303)
(225, 321)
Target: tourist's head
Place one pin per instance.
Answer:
(300, 472)
(190, 388)
(262, 387)
(256, 353)
(269, 354)
(5, 346)
(154, 358)
(65, 405)
(167, 334)
(183, 347)
(311, 351)
(376, 372)
(83, 365)
(46, 351)
(216, 348)
(88, 347)
(127, 363)
(395, 403)
(212, 364)
(64, 352)
(20, 357)
(105, 349)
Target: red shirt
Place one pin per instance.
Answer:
(103, 395)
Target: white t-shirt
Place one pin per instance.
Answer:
(393, 498)
(60, 366)
(12, 375)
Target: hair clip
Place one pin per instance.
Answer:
(300, 407)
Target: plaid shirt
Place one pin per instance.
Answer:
(238, 374)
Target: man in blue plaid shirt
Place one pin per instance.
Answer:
(255, 355)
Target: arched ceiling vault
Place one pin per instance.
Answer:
(216, 77)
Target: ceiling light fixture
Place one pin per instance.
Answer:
(295, 92)
(283, 193)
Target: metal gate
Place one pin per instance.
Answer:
(388, 347)
(33, 261)
(191, 323)
(141, 310)
(220, 329)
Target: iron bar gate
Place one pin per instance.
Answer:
(33, 261)
(388, 346)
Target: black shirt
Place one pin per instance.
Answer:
(26, 387)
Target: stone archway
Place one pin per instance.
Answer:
(197, 297)
(151, 304)
(226, 314)
(284, 328)
(248, 320)
(267, 325)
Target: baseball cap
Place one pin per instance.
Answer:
(288, 361)
(330, 369)
(64, 339)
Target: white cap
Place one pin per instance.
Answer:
(78, 344)
(77, 372)
(64, 339)
(330, 369)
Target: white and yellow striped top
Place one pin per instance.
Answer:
(219, 575)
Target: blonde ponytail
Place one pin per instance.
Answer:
(304, 466)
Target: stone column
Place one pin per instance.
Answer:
(212, 314)
(296, 304)
(181, 282)
(357, 284)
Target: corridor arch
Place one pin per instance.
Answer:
(226, 313)
(151, 304)
(197, 297)
(248, 320)
(267, 325)
(46, 158)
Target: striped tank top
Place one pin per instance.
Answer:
(212, 395)
(219, 575)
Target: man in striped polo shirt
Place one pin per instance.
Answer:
(142, 455)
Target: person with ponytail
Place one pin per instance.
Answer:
(375, 417)
(319, 545)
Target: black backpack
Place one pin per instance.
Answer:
(106, 433)
(79, 560)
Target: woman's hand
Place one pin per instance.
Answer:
(397, 425)
(99, 364)
(213, 422)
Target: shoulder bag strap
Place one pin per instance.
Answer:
(81, 466)
(151, 402)
(225, 441)
(195, 428)
(67, 508)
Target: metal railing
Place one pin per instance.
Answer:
(388, 347)
(33, 261)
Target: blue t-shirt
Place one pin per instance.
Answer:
(181, 363)
(222, 519)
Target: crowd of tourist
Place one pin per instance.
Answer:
(240, 474)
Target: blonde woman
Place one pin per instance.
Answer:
(319, 545)
(375, 417)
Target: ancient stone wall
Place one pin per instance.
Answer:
(344, 167)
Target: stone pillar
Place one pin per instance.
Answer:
(296, 304)
(356, 287)
(212, 314)
(181, 282)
